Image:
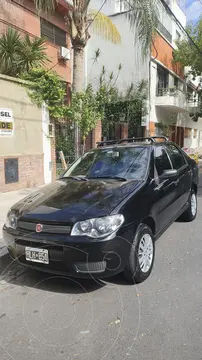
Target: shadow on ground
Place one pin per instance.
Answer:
(12, 273)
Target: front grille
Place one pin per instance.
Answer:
(90, 267)
(47, 228)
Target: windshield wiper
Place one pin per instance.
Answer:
(119, 178)
(77, 178)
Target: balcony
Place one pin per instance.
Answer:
(194, 104)
(171, 99)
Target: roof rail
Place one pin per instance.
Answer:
(133, 139)
(151, 138)
(137, 139)
(107, 142)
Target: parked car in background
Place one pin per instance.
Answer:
(103, 215)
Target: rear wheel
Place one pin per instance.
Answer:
(190, 214)
(141, 257)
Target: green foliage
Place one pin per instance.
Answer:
(46, 86)
(84, 110)
(19, 54)
(143, 16)
(187, 54)
(65, 143)
(115, 106)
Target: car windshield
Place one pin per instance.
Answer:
(124, 163)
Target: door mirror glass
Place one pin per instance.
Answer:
(168, 174)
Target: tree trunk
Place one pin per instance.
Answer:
(77, 86)
(78, 69)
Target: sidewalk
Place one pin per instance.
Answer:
(6, 201)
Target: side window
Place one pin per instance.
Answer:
(176, 156)
(162, 161)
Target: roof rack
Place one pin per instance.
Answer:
(136, 139)
(107, 142)
(133, 139)
(150, 138)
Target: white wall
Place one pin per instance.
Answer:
(177, 11)
(108, 8)
(128, 53)
(153, 84)
(46, 146)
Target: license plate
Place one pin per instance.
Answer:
(37, 255)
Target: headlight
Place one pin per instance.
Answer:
(97, 228)
(11, 221)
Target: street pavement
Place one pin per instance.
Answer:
(49, 317)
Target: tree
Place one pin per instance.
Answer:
(84, 111)
(189, 54)
(141, 13)
(19, 54)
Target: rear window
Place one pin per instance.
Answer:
(130, 163)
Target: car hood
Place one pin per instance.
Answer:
(68, 201)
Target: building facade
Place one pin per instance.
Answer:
(22, 16)
(171, 95)
(27, 144)
(26, 140)
(172, 92)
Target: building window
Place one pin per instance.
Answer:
(53, 33)
(162, 81)
(161, 28)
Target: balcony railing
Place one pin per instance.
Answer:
(171, 98)
(163, 91)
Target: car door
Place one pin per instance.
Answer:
(165, 193)
(180, 164)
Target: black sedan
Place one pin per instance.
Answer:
(104, 214)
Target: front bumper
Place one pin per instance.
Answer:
(73, 256)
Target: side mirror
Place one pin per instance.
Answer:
(168, 174)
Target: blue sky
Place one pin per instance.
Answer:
(193, 9)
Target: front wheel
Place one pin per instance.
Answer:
(190, 214)
(141, 257)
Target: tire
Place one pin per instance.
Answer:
(190, 214)
(134, 271)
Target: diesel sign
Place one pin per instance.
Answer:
(6, 122)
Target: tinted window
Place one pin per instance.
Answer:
(176, 156)
(130, 163)
(162, 161)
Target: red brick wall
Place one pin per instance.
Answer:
(31, 172)
(94, 137)
(22, 16)
(121, 131)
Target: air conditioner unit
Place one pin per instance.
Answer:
(65, 53)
